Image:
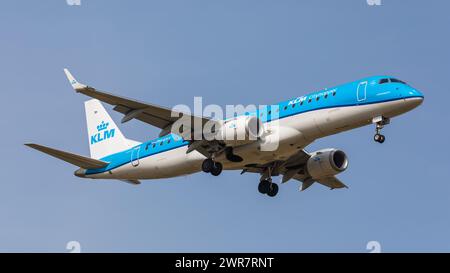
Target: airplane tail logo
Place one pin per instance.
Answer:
(105, 138)
(102, 133)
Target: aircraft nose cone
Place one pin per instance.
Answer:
(412, 92)
(413, 97)
(417, 101)
(413, 102)
(80, 173)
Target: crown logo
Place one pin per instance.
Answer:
(102, 126)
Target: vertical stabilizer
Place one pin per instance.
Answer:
(105, 138)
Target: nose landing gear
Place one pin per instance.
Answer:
(380, 123)
(379, 138)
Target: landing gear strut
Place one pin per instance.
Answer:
(380, 122)
(210, 166)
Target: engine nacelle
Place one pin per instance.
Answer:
(240, 130)
(325, 163)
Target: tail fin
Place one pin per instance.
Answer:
(105, 138)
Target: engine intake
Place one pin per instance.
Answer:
(325, 163)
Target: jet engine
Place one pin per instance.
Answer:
(240, 130)
(325, 163)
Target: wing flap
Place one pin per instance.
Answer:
(144, 116)
(332, 182)
(77, 160)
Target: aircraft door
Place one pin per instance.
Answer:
(135, 156)
(361, 91)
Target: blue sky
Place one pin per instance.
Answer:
(228, 52)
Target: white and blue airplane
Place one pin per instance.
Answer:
(300, 121)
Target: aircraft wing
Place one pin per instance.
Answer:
(288, 168)
(155, 115)
(332, 182)
(294, 168)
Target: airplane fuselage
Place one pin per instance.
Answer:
(296, 123)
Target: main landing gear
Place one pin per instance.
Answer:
(380, 123)
(266, 186)
(210, 166)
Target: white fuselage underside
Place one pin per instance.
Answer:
(294, 132)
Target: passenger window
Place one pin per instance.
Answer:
(326, 96)
(270, 112)
(318, 98)
(293, 105)
(168, 141)
(285, 108)
(334, 93)
(309, 100)
(161, 143)
(154, 144)
(301, 103)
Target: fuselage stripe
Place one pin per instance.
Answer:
(181, 143)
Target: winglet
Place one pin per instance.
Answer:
(75, 84)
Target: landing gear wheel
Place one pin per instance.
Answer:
(264, 186)
(207, 165)
(216, 169)
(273, 190)
(379, 138)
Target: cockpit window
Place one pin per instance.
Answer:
(396, 80)
(391, 80)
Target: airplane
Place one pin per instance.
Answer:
(296, 123)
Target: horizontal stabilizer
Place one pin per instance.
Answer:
(77, 160)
